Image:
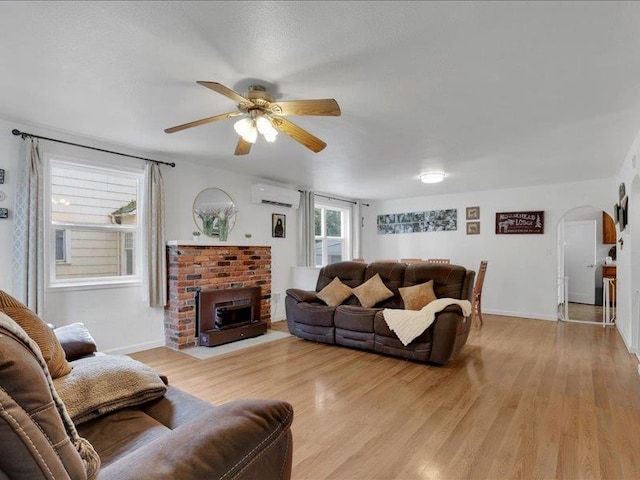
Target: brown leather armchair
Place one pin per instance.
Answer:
(176, 436)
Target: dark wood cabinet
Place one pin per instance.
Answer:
(608, 230)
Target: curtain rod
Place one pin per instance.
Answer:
(339, 199)
(24, 135)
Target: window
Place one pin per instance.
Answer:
(63, 242)
(332, 227)
(94, 226)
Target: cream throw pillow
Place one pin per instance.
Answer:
(39, 332)
(417, 296)
(335, 293)
(372, 291)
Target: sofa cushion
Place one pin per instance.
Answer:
(314, 314)
(39, 332)
(392, 275)
(349, 273)
(38, 439)
(372, 291)
(76, 341)
(448, 280)
(358, 319)
(381, 329)
(417, 296)
(335, 293)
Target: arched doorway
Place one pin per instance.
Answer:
(586, 237)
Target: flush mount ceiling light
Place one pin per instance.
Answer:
(432, 177)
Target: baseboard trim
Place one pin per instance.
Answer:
(527, 315)
(136, 348)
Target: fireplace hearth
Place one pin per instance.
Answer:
(227, 315)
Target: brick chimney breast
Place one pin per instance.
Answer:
(191, 267)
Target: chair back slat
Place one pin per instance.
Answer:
(439, 260)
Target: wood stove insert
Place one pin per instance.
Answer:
(227, 315)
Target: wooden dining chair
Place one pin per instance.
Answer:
(476, 300)
(439, 260)
(409, 261)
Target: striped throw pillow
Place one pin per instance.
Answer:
(39, 332)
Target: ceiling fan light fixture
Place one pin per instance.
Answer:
(264, 116)
(246, 129)
(270, 137)
(265, 128)
(432, 177)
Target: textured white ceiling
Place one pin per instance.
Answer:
(496, 94)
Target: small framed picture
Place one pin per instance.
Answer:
(1, 175)
(473, 213)
(4, 213)
(473, 228)
(278, 225)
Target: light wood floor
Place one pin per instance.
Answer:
(585, 313)
(527, 399)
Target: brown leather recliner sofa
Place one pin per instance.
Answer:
(174, 436)
(352, 325)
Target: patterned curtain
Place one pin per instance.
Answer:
(28, 240)
(154, 236)
(307, 255)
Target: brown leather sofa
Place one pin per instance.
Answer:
(352, 325)
(177, 436)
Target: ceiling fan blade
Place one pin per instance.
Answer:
(227, 92)
(203, 121)
(298, 134)
(242, 147)
(324, 107)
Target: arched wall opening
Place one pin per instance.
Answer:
(585, 238)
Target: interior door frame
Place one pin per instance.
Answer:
(592, 225)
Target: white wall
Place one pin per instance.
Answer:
(628, 254)
(183, 184)
(522, 270)
(119, 318)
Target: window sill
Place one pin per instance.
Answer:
(94, 285)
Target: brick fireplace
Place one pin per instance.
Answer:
(192, 266)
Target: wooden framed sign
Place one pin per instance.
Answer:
(510, 223)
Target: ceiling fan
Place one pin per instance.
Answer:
(262, 114)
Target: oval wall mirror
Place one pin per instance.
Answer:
(209, 206)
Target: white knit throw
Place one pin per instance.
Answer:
(409, 324)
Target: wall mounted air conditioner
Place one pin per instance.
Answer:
(270, 195)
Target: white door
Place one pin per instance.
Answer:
(580, 260)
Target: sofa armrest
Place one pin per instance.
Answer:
(457, 309)
(239, 440)
(450, 331)
(76, 341)
(302, 295)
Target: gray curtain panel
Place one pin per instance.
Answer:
(154, 236)
(307, 250)
(28, 240)
(356, 230)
